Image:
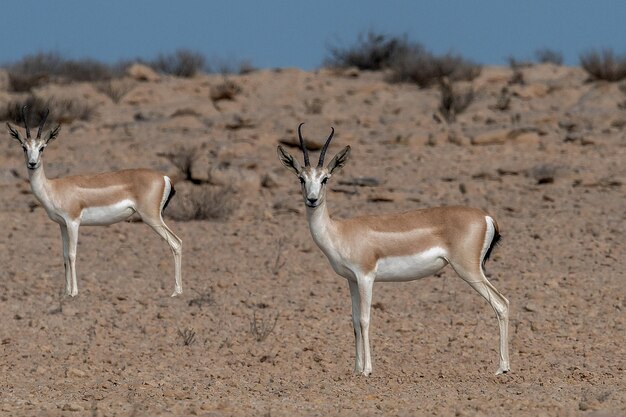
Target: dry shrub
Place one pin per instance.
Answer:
(549, 56)
(38, 69)
(61, 111)
(604, 65)
(182, 63)
(261, 328)
(408, 61)
(453, 102)
(425, 69)
(188, 335)
(373, 51)
(115, 89)
(204, 202)
(182, 157)
(226, 90)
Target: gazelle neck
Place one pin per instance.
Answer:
(321, 225)
(39, 183)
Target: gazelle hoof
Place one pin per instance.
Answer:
(177, 292)
(503, 370)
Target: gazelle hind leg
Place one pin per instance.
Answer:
(356, 325)
(72, 234)
(500, 305)
(66, 260)
(365, 286)
(176, 246)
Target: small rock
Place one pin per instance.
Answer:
(142, 72)
(73, 406)
(76, 373)
(530, 307)
(494, 137)
(269, 180)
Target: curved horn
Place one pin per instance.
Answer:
(321, 162)
(43, 122)
(304, 151)
(25, 122)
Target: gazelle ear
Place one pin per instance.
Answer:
(15, 134)
(339, 160)
(52, 134)
(288, 160)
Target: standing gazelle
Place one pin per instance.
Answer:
(396, 247)
(100, 200)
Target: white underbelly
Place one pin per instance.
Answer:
(410, 267)
(105, 215)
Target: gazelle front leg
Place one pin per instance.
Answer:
(366, 286)
(72, 234)
(356, 324)
(66, 260)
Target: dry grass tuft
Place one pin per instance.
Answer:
(262, 328)
(188, 335)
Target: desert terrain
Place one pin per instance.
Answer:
(263, 327)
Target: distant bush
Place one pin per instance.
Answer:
(205, 202)
(549, 56)
(373, 51)
(425, 69)
(38, 69)
(604, 65)
(453, 102)
(407, 61)
(61, 111)
(182, 63)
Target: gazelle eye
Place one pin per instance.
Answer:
(41, 149)
(24, 148)
(325, 180)
(301, 180)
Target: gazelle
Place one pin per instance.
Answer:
(396, 247)
(98, 200)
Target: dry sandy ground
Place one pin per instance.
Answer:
(550, 168)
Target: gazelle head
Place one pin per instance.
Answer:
(33, 147)
(313, 179)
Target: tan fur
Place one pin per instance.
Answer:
(145, 187)
(389, 235)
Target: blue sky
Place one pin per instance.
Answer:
(282, 33)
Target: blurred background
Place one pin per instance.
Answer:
(280, 33)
